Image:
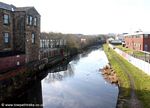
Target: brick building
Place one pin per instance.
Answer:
(138, 41)
(19, 34)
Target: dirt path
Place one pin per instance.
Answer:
(133, 102)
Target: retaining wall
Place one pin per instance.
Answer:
(9, 62)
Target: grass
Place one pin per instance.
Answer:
(123, 78)
(141, 80)
(127, 50)
(130, 51)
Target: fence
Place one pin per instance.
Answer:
(144, 66)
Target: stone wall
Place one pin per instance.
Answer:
(19, 31)
(23, 34)
(6, 28)
(32, 49)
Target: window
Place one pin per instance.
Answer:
(146, 36)
(6, 38)
(44, 43)
(27, 20)
(141, 36)
(33, 38)
(146, 47)
(40, 43)
(35, 21)
(47, 43)
(31, 20)
(6, 19)
(51, 42)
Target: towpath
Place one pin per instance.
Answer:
(133, 102)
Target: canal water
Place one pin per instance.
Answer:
(79, 84)
(74, 84)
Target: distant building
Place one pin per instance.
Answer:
(51, 46)
(116, 42)
(138, 41)
(83, 40)
(119, 37)
(109, 40)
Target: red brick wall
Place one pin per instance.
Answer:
(7, 63)
(130, 43)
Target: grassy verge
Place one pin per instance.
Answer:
(127, 50)
(123, 78)
(141, 80)
(130, 51)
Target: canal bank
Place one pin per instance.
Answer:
(134, 90)
(13, 81)
(77, 84)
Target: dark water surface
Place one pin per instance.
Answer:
(79, 84)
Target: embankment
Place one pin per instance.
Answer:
(134, 89)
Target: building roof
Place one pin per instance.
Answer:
(110, 39)
(23, 8)
(7, 6)
(139, 33)
(116, 42)
(13, 8)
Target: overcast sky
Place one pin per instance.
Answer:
(90, 16)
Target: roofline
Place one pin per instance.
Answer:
(140, 33)
(36, 10)
(14, 8)
(28, 7)
(6, 9)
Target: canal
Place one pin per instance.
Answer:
(79, 84)
(73, 84)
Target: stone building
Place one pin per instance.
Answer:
(20, 30)
(6, 27)
(27, 32)
(19, 35)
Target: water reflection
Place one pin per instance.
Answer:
(59, 73)
(81, 85)
(78, 84)
(30, 95)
